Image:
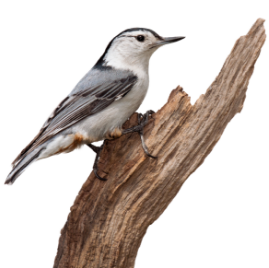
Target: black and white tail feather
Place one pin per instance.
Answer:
(20, 166)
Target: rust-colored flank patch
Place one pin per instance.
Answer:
(77, 142)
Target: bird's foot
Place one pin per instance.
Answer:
(142, 121)
(98, 151)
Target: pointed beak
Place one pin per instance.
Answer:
(167, 40)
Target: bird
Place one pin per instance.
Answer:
(100, 103)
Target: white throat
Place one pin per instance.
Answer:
(122, 57)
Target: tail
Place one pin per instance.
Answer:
(20, 166)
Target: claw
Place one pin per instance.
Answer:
(98, 151)
(96, 174)
(151, 112)
(141, 132)
(145, 147)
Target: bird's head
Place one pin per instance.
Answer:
(133, 48)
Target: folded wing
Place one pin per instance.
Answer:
(77, 106)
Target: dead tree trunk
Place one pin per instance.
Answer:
(109, 219)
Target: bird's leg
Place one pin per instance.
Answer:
(98, 151)
(142, 121)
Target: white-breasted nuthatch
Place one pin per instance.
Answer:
(100, 103)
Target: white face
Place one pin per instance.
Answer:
(132, 50)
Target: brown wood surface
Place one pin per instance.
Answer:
(109, 219)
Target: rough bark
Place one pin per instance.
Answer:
(109, 219)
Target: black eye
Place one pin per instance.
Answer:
(140, 38)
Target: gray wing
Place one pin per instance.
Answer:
(85, 101)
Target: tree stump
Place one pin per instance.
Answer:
(109, 219)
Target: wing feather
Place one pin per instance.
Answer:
(77, 107)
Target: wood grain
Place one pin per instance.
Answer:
(109, 219)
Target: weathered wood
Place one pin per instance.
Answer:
(109, 219)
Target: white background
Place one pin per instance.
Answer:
(220, 216)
